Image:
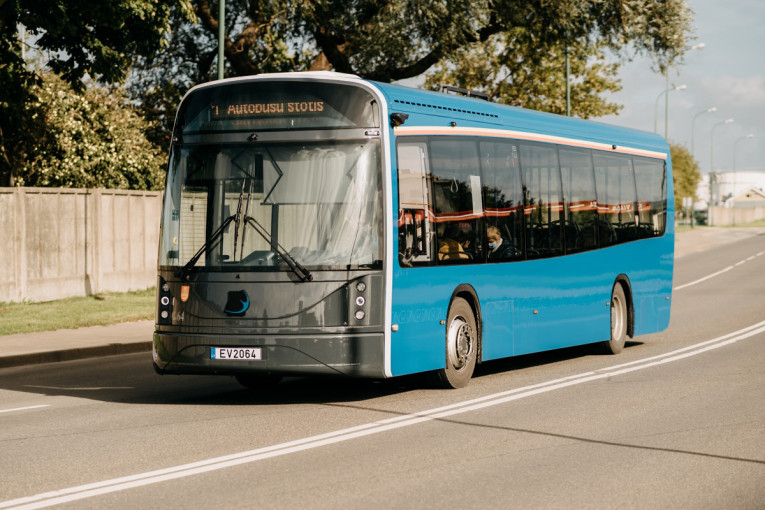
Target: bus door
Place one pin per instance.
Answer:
(415, 233)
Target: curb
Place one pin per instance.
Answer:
(74, 354)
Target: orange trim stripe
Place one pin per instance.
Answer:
(520, 135)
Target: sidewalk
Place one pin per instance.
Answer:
(704, 238)
(69, 344)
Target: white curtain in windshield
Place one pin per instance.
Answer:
(320, 202)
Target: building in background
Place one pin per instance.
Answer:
(720, 194)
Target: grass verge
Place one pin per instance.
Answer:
(77, 312)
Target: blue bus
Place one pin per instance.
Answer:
(319, 223)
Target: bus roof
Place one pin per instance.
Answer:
(476, 112)
(423, 105)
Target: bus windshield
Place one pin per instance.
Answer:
(255, 207)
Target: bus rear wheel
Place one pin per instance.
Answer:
(461, 346)
(619, 321)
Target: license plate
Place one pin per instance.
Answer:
(237, 353)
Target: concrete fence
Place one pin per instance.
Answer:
(62, 242)
(724, 216)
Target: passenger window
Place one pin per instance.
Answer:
(581, 202)
(415, 228)
(543, 204)
(456, 198)
(651, 179)
(503, 201)
(617, 201)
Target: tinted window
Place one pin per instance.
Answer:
(651, 179)
(617, 200)
(543, 201)
(581, 204)
(415, 227)
(503, 200)
(456, 198)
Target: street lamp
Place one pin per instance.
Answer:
(733, 195)
(711, 109)
(221, 37)
(666, 115)
(699, 46)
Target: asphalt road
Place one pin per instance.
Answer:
(677, 420)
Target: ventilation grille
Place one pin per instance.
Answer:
(446, 108)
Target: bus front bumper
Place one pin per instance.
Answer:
(356, 355)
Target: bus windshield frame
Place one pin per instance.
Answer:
(254, 206)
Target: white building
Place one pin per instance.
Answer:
(725, 185)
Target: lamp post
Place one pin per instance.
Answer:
(666, 115)
(699, 46)
(568, 81)
(221, 35)
(733, 195)
(711, 109)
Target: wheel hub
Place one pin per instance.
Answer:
(460, 342)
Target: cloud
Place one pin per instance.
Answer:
(736, 92)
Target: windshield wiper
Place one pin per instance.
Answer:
(183, 272)
(301, 272)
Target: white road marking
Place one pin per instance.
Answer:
(142, 479)
(23, 408)
(718, 273)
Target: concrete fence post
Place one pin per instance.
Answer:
(20, 242)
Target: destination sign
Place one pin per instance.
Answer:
(275, 108)
(270, 105)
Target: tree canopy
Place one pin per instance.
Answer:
(512, 49)
(396, 39)
(88, 140)
(78, 39)
(685, 174)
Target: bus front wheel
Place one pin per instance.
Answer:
(461, 346)
(619, 321)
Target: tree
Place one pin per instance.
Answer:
(509, 70)
(88, 140)
(465, 41)
(685, 174)
(80, 39)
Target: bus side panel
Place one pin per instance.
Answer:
(561, 302)
(498, 314)
(530, 306)
(652, 285)
(420, 301)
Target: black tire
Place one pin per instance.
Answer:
(619, 321)
(461, 346)
(258, 381)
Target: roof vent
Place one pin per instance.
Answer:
(448, 89)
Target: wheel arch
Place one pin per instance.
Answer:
(624, 281)
(468, 293)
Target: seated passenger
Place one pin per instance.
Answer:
(451, 249)
(499, 249)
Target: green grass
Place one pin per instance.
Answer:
(78, 312)
(758, 223)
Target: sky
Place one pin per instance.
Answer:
(728, 73)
